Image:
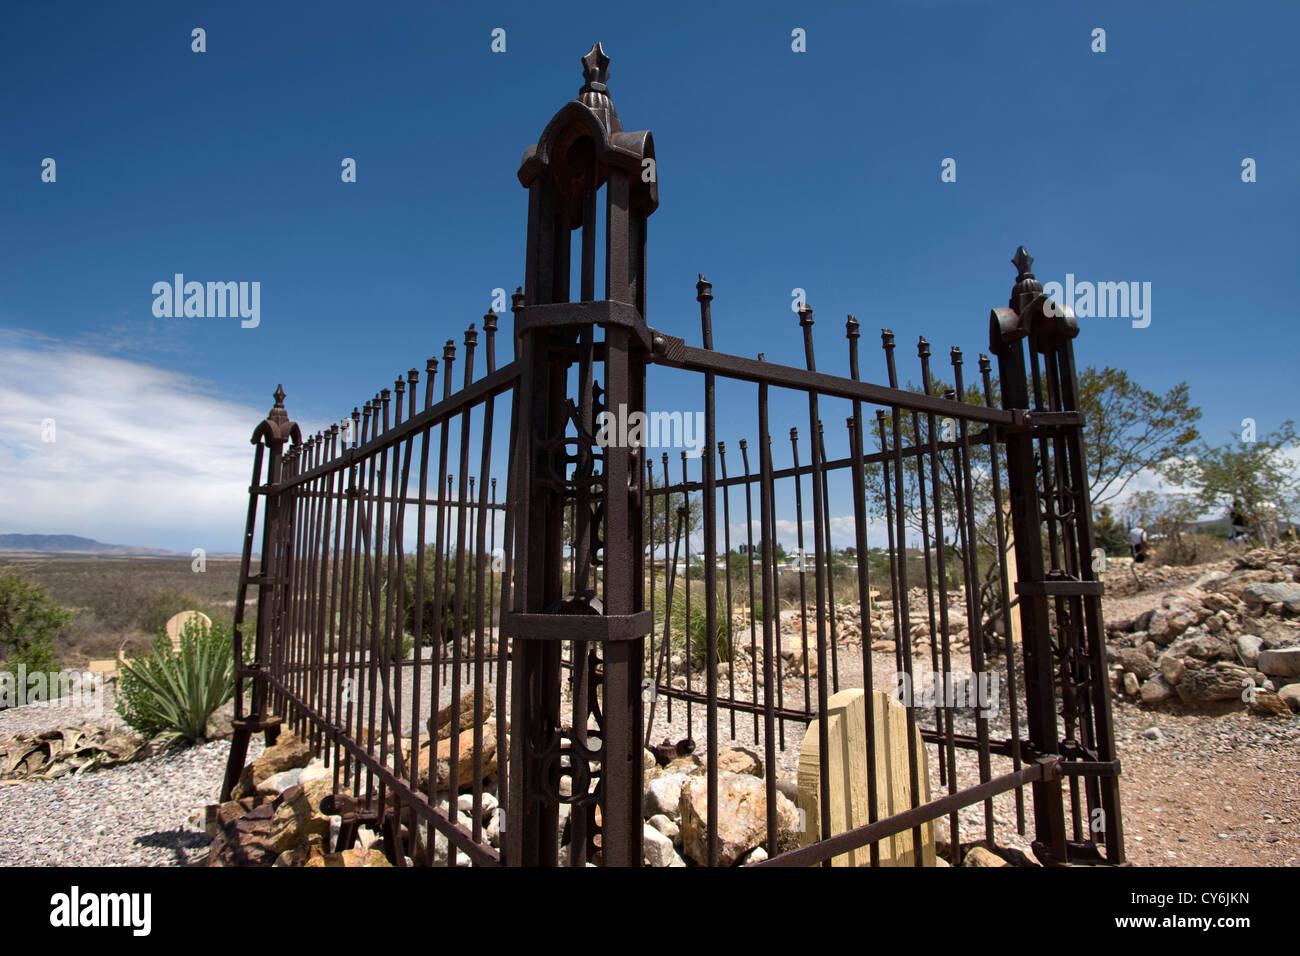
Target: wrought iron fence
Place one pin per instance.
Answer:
(429, 638)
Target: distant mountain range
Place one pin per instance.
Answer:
(71, 544)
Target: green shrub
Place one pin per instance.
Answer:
(175, 691)
(446, 595)
(29, 623)
(699, 627)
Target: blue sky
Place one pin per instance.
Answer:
(817, 170)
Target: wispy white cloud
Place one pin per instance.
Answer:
(141, 455)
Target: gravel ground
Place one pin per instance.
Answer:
(136, 814)
(36, 718)
(1198, 788)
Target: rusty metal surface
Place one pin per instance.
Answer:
(558, 598)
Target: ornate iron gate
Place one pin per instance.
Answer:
(544, 611)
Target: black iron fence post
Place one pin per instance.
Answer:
(269, 437)
(1058, 586)
(563, 463)
(1006, 338)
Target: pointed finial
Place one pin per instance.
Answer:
(1023, 262)
(279, 396)
(703, 289)
(595, 69)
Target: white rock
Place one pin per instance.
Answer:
(664, 794)
(1156, 690)
(1248, 646)
(1280, 663)
(656, 847)
(756, 855)
(280, 782)
(316, 770)
(665, 825)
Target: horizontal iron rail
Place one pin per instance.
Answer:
(401, 499)
(1047, 768)
(980, 438)
(489, 386)
(691, 359)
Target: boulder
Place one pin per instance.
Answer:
(289, 753)
(742, 817)
(464, 763)
(1131, 685)
(1183, 611)
(1268, 704)
(1171, 668)
(740, 760)
(1291, 695)
(350, 858)
(1156, 690)
(1284, 662)
(242, 842)
(278, 783)
(656, 847)
(665, 825)
(1286, 593)
(439, 727)
(690, 764)
(1248, 646)
(1204, 647)
(756, 855)
(1135, 662)
(1238, 581)
(664, 794)
(979, 856)
(220, 725)
(217, 815)
(294, 821)
(303, 853)
(1221, 681)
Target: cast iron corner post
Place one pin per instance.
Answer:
(1007, 331)
(583, 148)
(1073, 667)
(269, 438)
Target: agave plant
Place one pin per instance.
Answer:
(175, 690)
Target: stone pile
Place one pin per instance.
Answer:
(1233, 636)
(284, 810)
(676, 808)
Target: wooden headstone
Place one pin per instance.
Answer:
(176, 625)
(847, 736)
